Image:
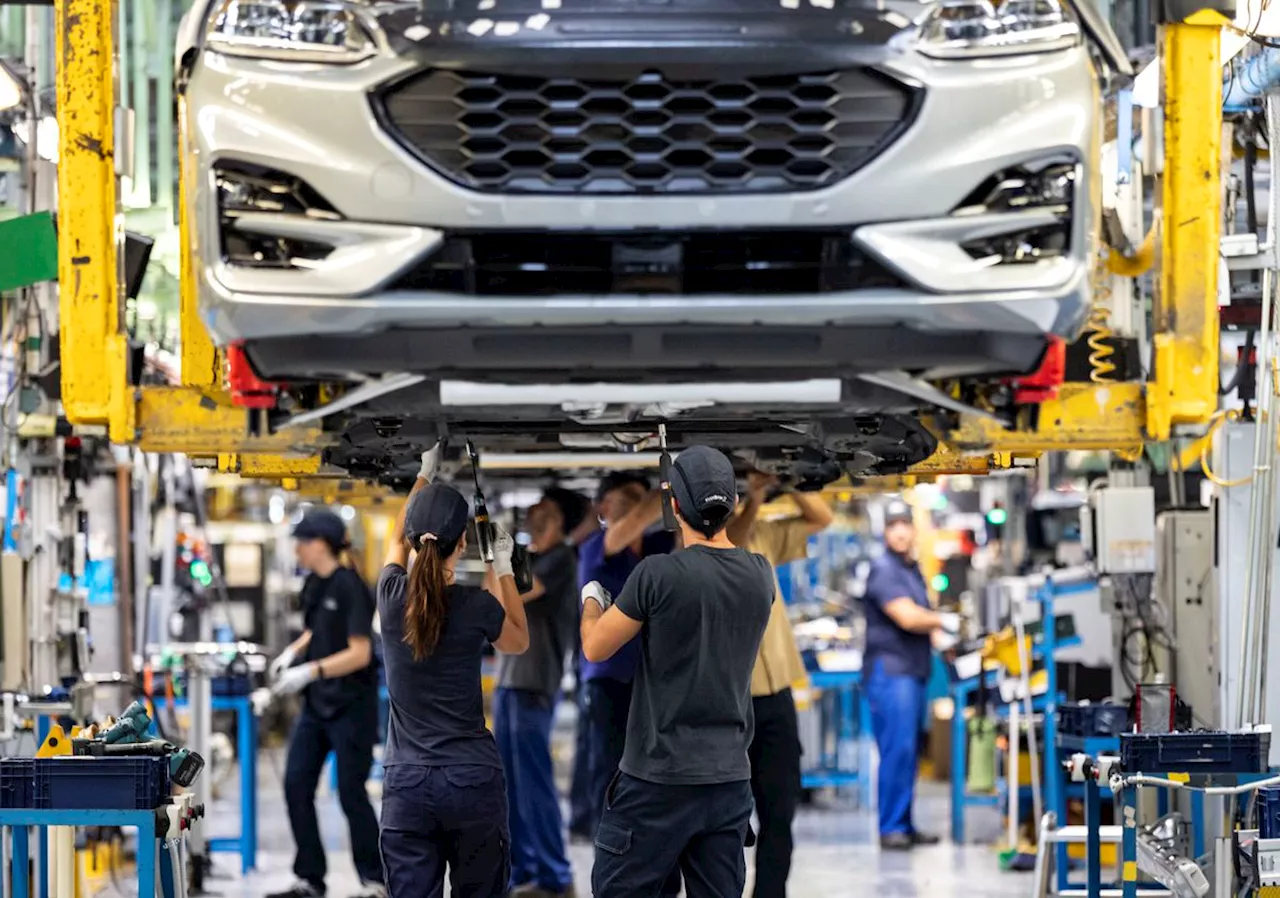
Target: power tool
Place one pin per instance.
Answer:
(484, 527)
(184, 764)
(128, 737)
(521, 564)
(130, 726)
(669, 522)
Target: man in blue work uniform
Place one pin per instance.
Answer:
(525, 700)
(900, 622)
(628, 509)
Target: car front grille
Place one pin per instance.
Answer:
(648, 134)
(658, 263)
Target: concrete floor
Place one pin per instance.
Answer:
(836, 854)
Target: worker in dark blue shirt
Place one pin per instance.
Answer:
(331, 664)
(629, 509)
(444, 799)
(900, 624)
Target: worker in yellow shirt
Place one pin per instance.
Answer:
(775, 748)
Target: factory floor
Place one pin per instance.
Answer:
(836, 855)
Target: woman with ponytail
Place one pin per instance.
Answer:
(444, 802)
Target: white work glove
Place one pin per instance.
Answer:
(950, 622)
(430, 463)
(283, 662)
(295, 679)
(503, 545)
(595, 592)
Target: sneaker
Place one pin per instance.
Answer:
(896, 842)
(371, 890)
(535, 891)
(919, 838)
(300, 889)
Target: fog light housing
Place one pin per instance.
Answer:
(1048, 186)
(245, 190)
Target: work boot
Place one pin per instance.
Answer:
(300, 889)
(896, 842)
(532, 890)
(919, 838)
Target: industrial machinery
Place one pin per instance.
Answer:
(689, 228)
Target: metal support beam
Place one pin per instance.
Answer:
(1099, 417)
(1185, 345)
(184, 419)
(95, 386)
(201, 360)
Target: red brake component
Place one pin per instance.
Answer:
(1043, 383)
(247, 389)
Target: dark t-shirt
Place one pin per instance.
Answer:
(612, 571)
(552, 619)
(900, 653)
(335, 608)
(437, 710)
(704, 612)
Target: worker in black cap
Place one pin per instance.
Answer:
(444, 799)
(340, 707)
(682, 796)
(895, 667)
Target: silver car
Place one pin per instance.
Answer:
(790, 216)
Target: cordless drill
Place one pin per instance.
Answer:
(127, 737)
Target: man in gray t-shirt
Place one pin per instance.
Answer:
(682, 796)
(524, 702)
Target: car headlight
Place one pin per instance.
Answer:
(958, 29)
(291, 30)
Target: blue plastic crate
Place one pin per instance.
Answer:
(1206, 752)
(88, 783)
(17, 782)
(1269, 812)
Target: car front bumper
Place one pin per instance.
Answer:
(317, 123)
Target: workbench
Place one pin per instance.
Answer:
(20, 819)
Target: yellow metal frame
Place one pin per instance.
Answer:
(198, 417)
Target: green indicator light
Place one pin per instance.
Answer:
(941, 582)
(997, 516)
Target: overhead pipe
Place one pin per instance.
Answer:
(1244, 85)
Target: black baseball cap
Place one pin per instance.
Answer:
(898, 512)
(321, 523)
(616, 480)
(704, 485)
(438, 510)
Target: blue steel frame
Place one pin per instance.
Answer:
(850, 704)
(19, 819)
(1046, 704)
(246, 843)
(247, 751)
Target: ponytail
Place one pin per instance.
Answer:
(424, 609)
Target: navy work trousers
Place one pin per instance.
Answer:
(607, 704)
(350, 736)
(897, 703)
(582, 812)
(650, 830)
(522, 726)
(435, 818)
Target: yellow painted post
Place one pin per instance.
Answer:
(91, 322)
(201, 360)
(1186, 354)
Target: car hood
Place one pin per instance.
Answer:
(796, 34)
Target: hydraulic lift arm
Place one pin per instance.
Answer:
(198, 417)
